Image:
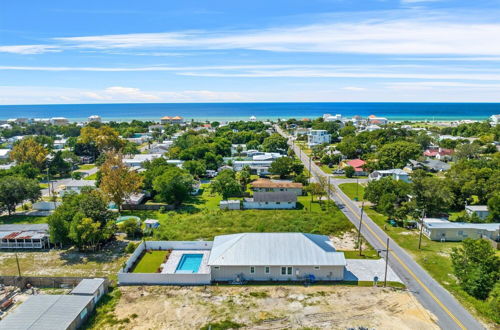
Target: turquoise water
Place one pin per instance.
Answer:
(234, 111)
(189, 263)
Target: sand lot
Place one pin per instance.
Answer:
(270, 307)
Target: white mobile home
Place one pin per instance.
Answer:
(444, 230)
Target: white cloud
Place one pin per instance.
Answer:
(396, 36)
(29, 49)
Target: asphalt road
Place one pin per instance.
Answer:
(450, 314)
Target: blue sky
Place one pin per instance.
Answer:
(249, 51)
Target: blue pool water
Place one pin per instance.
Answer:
(189, 263)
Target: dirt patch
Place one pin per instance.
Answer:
(346, 242)
(271, 307)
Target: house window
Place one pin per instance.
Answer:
(278, 202)
(216, 267)
(460, 232)
(316, 267)
(83, 313)
(267, 270)
(286, 270)
(252, 270)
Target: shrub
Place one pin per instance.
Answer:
(131, 247)
(349, 171)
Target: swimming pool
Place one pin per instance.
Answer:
(189, 263)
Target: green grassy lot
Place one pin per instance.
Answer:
(43, 185)
(91, 177)
(434, 257)
(150, 262)
(353, 190)
(205, 222)
(86, 166)
(21, 219)
(365, 254)
(327, 169)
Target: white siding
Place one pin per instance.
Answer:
(324, 273)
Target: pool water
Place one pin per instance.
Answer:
(189, 263)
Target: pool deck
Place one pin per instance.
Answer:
(175, 256)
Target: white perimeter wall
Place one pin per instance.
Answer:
(165, 279)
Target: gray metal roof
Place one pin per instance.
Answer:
(477, 207)
(274, 249)
(88, 286)
(274, 196)
(46, 312)
(25, 227)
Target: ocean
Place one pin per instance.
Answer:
(263, 111)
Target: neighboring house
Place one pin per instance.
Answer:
(495, 120)
(75, 186)
(480, 210)
(329, 117)
(444, 230)
(271, 200)
(4, 153)
(59, 121)
(275, 257)
(160, 148)
(60, 144)
(318, 136)
(357, 164)
(24, 236)
(431, 165)
(267, 156)
(259, 167)
(171, 120)
(374, 120)
(57, 312)
(266, 185)
(396, 174)
(137, 160)
(371, 128)
(230, 204)
(440, 153)
(94, 118)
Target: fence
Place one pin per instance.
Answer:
(42, 281)
(147, 207)
(125, 278)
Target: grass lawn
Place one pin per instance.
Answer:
(21, 219)
(203, 221)
(86, 166)
(353, 190)
(365, 254)
(434, 257)
(43, 185)
(91, 177)
(326, 169)
(150, 262)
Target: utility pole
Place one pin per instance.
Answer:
(360, 223)
(328, 193)
(310, 179)
(357, 188)
(421, 229)
(386, 262)
(18, 267)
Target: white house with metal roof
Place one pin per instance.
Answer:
(275, 257)
(480, 210)
(444, 230)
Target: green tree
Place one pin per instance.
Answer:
(349, 171)
(397, 154)
(117, 180)
(467, 151)
(274, 143)
(315, 189)
(494, 300)
(476, 266)
(85, 232)
(131, 227)
(15, 190)
(494, 208)
(173, 186)
(282, 166)
(226, 184)
(29, 151)
(196, 168)
(58, 166)
(432, 195)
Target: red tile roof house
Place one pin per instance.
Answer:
(441, 154)
(357, 164)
